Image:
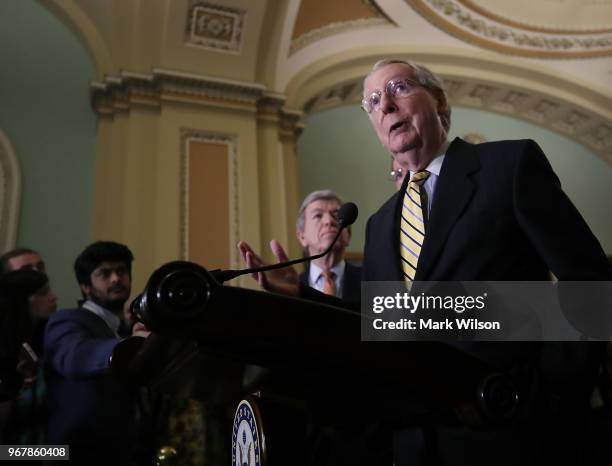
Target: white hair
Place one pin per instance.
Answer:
(425, 77)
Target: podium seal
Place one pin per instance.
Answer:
(247, 438)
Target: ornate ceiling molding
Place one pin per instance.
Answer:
(472, 25)
(576, 123)
(501, 17)
(120, 93)
(334, 28)
(215, 27)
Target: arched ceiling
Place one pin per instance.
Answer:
(543, 29)
(531, 61)
(547, 61)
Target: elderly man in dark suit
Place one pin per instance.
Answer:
(317, 226)
(88, 408)
(466, 212)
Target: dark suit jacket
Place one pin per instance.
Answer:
(351, 286)
(498, 214)
(88, 408)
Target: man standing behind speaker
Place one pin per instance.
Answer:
(317, 226)
(88, 408)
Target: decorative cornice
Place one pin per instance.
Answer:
(270, 108)
(455, 18)
(579, 124)
(119, 93)
(188, 135)
(290, 126)
(334, 28)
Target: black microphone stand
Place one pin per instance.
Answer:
(346, 217)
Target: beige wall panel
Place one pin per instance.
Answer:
(210, 121)
(126, 193)
(110, 173)
(292, 194)
(208, 204)
(141, 179)
(272, 207)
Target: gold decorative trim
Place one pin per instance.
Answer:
(119, 93)
(215, 27)
(528, 27)
(334, 28)
(579, 124)
(10, 194)
(449, 16)
(187, 136)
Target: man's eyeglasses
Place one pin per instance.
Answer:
(395, 89)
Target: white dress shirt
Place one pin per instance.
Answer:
(107, 316)
(434, 168)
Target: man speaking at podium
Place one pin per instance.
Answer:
(494, 212)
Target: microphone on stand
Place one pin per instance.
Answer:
(347, 214)
(186, 286)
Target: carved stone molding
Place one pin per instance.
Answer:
(290, 126)
(456, 18)
(556, 16)
(10, 194)
(187, 136)
(579, 124)
(120, 93)
(334, 28)
(214, 27)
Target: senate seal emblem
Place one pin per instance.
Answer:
(246, 436)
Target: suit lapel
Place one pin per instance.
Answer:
(454, 190)
(384, 249)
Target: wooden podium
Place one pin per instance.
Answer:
(306, 374)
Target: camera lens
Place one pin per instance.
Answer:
(182, 290)
(184, 294)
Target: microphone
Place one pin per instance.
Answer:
(347, 214)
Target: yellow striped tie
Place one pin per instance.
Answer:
(412, 226)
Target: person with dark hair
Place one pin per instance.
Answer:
(88, 408)
(21, 258)
(26, 302)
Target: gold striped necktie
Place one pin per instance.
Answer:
(412, 226)
(329, 282)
